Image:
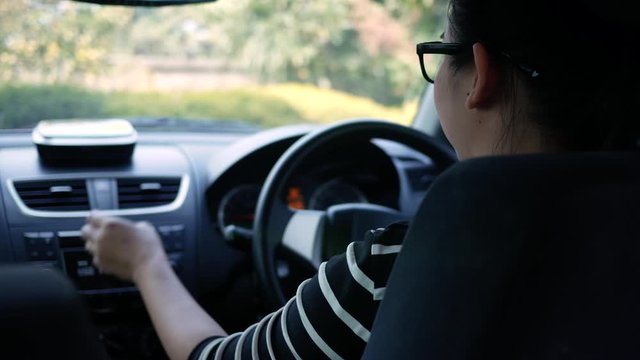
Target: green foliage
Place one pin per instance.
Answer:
(51, 41)
(24, 106)
(426, 19)
(187, 32)
(354, 46)
(325, 106)
(245, 105)
(359, 47)
(282, 39)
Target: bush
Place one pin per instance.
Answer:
(326, 106)
(24, 106)
(266, 106)
(248, 106)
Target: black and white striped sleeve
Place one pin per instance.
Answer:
(330, 316)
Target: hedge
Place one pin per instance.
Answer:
(266, 106)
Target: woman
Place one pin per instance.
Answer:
(516, 77)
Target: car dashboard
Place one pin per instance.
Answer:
(191, 187)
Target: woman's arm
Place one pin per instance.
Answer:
(330, 316)
(178, 319)
(133, 251)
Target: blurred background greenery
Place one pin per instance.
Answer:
(267, 62)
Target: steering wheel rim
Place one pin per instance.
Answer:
(272, 214)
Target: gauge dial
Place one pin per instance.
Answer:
(238, 207)
(335, 192)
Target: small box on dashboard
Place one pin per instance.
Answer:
(85, 141)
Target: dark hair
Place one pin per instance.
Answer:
(588, 87)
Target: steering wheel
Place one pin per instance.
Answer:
(303, 231)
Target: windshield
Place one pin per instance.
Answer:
(255, 63)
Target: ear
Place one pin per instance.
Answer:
(484, 87)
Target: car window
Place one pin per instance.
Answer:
(251, 63)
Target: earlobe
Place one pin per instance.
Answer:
(485, 79)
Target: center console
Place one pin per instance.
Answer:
(64, 250)
(43, 207)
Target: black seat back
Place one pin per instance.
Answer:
(42, 317)
(525, 257)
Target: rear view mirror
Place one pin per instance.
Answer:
(145, 2)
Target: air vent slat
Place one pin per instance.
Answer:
(53, 195)
(69, 200)
(59, 208)
(27, 194)
(137, 192)
(138, 181)
(44, 184)
(148, 198)
(172, 189)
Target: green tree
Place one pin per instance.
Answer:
(281, 39)
(185, 31)
(426, 19)
(358, 46)
(57, 41)
(364, 47)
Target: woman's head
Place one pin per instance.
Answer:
(538, 75)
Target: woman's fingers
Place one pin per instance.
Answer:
(95, 219)
(87, 232)
(118, 245)
(96, 263)
(90, 247)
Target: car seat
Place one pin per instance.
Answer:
(519, 257)
(43, 317)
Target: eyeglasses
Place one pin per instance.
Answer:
(431, 55)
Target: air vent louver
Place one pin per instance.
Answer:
(54, 195)
(147, 192)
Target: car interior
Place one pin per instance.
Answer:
(535, 256)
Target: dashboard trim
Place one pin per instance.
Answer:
(175, 205)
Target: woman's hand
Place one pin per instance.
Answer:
(122, 247)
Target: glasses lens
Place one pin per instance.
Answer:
(432, 63)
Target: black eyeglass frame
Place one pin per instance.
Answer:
(438, 47)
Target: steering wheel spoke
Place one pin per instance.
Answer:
(303, 235)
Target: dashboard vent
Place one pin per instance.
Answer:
(147, 192)
(54, 195)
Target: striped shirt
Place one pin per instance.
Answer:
(331, 314)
